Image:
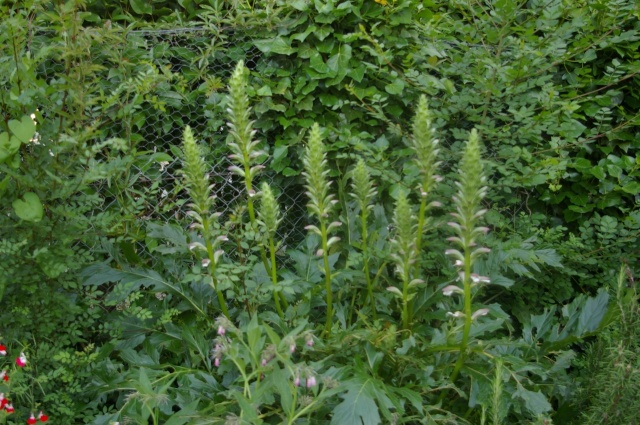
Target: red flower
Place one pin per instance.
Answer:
(4, 376)
(43, 417)
(22, 360)
(3, 401)
(32, 420)
(3, 350)
(9, 408)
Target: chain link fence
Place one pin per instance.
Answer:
(199, 61)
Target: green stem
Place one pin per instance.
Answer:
(406, 319)
(305, 409)
(212, 268)
(365, 259)
(263, 253)
(292, 412)
(467, 314)
(327, 278)
(421, 224)
(274, 276)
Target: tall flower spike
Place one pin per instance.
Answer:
(197, 183)
(424, 145)
(471, 190)
(320, 204)
(364, 192)
(404, 254)
(270, 218)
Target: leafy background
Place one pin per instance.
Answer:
(553, 90)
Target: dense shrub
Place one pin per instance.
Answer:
(550, 88)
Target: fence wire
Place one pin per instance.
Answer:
(150, 190)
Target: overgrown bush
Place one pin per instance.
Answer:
(214, 335)
(550, 87)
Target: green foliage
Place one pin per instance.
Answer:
(609, 380)
(93, 114)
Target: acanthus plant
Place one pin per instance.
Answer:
(409, 229)
(269, 215)
(320, 205)
(6, 405)
(472, 189)
(364, 192)
(196, 180)
(245, 153)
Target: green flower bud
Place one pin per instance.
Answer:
(195, 175)
(315, 164)
(363, 190)
(240, 125)
(471, 187)
(405, 235)
(269, 210)
(424, 145)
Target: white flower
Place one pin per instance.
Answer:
(451, 289)
(478, 313)
(476, 278)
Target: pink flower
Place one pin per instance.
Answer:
(309, 340)
(296, 381)
(292, 348)
(216, 362)
(311, 381)
(221, 330)
(22, 360)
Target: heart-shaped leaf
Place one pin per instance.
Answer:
(29, 208)
(23, 129)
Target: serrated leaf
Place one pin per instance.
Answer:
(185, 415)
(535, 402)
(358, 405)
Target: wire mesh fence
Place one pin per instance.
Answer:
(199, 60)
